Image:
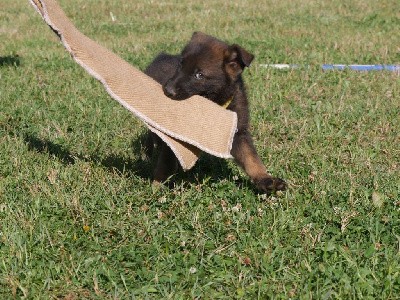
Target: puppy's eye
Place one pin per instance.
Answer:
(199, 76)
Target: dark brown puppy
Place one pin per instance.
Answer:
(210, 68)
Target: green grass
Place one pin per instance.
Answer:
(79, 218)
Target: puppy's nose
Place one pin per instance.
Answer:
(169, 91)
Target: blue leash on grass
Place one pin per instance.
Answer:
(393, 68)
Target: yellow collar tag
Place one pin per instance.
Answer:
(226, 104)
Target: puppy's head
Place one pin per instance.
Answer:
(208, 68)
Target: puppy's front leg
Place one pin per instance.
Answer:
(246, 156)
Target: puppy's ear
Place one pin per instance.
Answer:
(198, 36)
(236, 59)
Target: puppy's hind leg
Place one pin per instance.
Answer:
(167, 164)
(151, 142)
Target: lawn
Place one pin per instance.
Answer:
(79, 218)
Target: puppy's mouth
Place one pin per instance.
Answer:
(177, 97)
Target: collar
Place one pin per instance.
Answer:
(227, 103)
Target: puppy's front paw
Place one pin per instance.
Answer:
(269, 185)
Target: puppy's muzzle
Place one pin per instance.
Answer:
(170, 90)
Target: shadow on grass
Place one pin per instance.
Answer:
(111, 162)
(46, 146)
(10, 60)
(207, 169)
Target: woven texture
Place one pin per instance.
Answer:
(188, 127)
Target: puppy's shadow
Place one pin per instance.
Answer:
(52, 149)
(10, 60)
(112, 162)
(208, 168)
